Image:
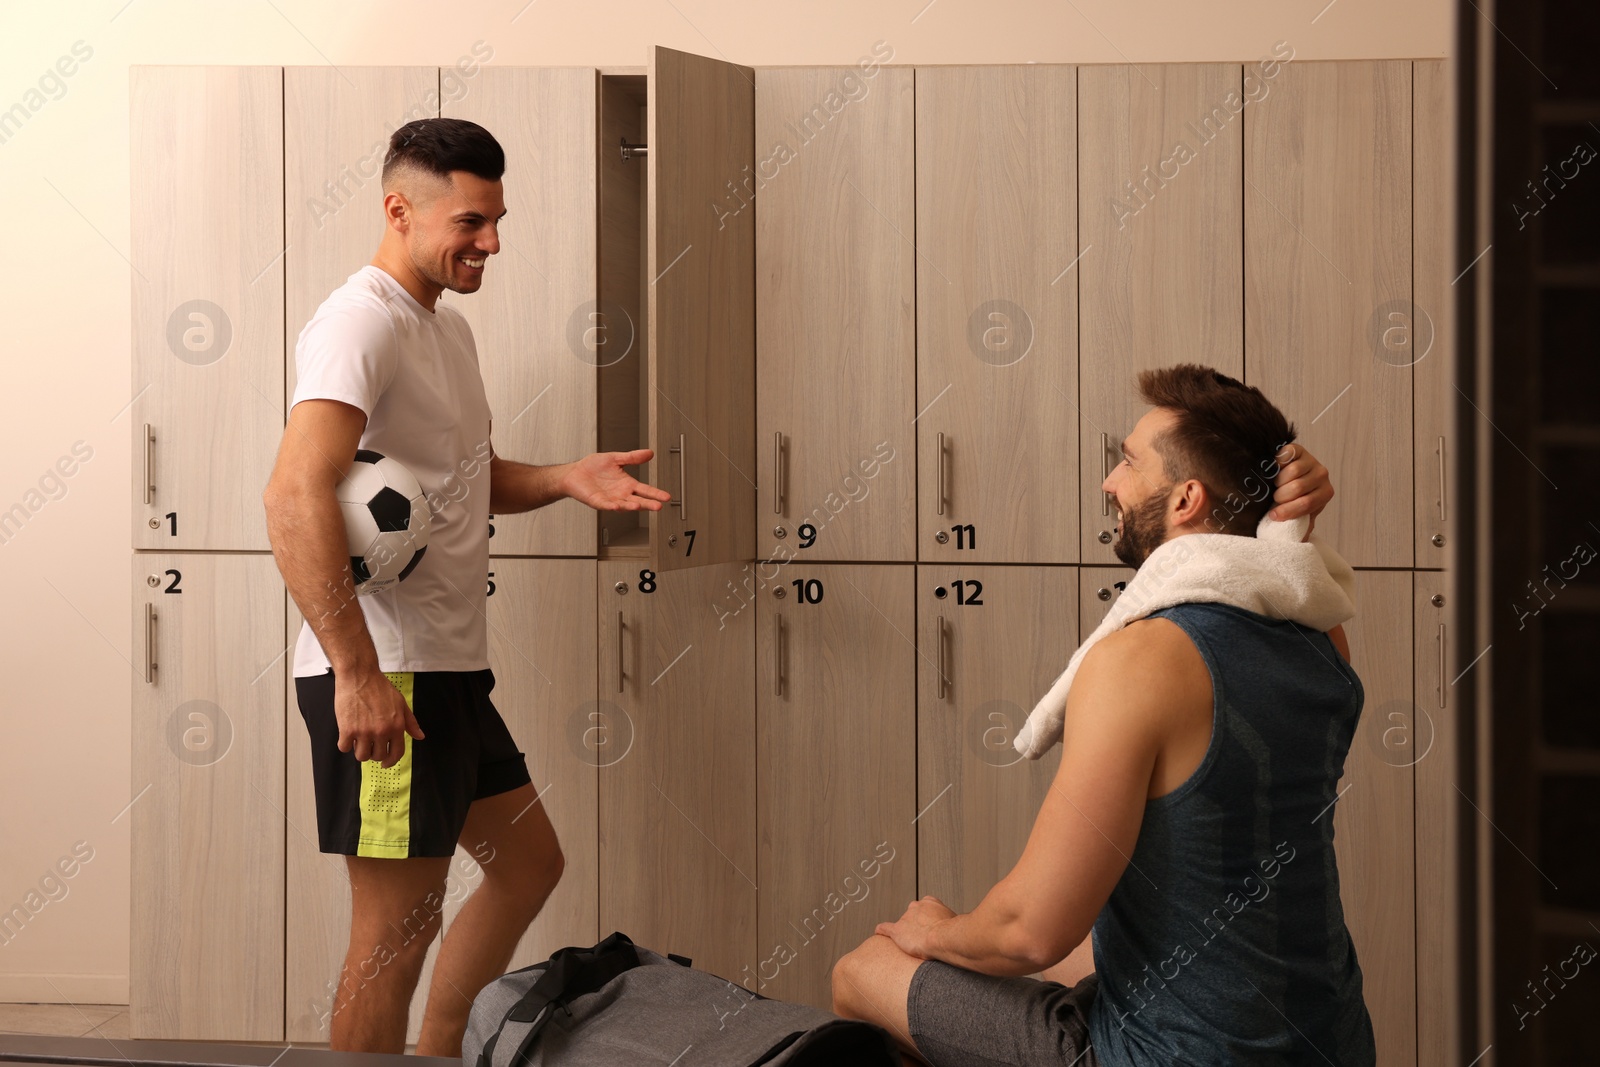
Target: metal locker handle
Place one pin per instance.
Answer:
(777, 472)
(1441, 666)
(619, 650)
(149, 644)
(1105, 472)
(1441, 479)
(149, 464)
(682, 502)
(943, 683)
(777, 656)
(939, 492)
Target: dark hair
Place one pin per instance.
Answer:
(1227, 435)
(439, 146)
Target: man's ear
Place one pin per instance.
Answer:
(397, 210)
(1191, 503)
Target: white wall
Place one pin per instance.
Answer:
(67, 637)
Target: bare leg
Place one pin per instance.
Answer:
(395, 908)
(870, 983)
(514, 843)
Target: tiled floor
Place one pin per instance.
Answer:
(88, 1020)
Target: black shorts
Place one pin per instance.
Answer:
(418, 806)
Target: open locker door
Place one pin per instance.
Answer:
(700, 279)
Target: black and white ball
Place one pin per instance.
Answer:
(386, 517)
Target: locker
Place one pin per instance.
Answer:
(538, 376)
(1433, 741)
(1327, 216)
(997, 305)
(990, 641)
(835, 314)
(835, 767)
(206, 241)
(1158, 194)
(1374, 819)
(207, 884)
(676, 743)
(1424, 336)
(689, 390)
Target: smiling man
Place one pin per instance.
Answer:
(1188, 828)
(409, 755)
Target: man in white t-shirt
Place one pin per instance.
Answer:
(409, 756)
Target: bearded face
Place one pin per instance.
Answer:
(1143, 528)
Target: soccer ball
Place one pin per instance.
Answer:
(386, 520)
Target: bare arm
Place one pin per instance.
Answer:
(308, 539)
(597, 480)
(1042, 911)
(516, 487)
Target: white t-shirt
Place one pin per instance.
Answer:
(415, 375)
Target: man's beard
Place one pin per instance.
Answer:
(1143, 529)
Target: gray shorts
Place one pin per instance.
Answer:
(963, 1019)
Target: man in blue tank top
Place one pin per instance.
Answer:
(1180, 878)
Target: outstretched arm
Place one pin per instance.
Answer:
(597, 480)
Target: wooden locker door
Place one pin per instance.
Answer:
(1373, 818)
(677, 791)
(336, 126)
(997, 325)
(1000, 636)
(836, 767)
(207, 882)
(1428, 330)
(206, 238)
(1327, 264)
(529, 317)
(1433, 743)
(541, 649)
(541, 616)
(835, 318)
(317, 930)
(700, 268)
(1162, 276)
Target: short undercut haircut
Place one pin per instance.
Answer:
(438, 146)
(1227, 435)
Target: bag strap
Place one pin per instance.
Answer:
(570, 973)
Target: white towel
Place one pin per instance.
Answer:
(1273, 573)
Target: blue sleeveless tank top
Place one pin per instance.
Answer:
(1224, 941)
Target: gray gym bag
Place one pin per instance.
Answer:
(616, 1003)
